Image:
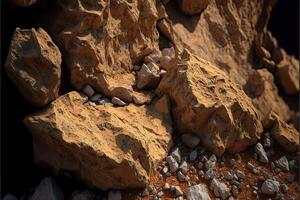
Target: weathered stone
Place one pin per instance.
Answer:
(209, 174)
(192, 7)
(110, 138)
(197, 192)
(184, 167)
(141, 98)
(282, 163)
(259, 149)
(270, 187)
(219, 189)
(117, 101)
(48, 190)
(148, 77)
(228, 176)
(165, 28)
(208, 104)
(176, 154)
(190, 140)
(284, 188)
(193, 155)
(34, 65)
(114, 195)
(178, 191)
(285, 135)
(173, 165)
(96, 97)
(88, 90)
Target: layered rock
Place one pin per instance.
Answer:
(102, 40)
(107, 147)
(34, 65)
(207, 103)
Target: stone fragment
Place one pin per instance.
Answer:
(197, 192)
(108, 137)
(178, 192)
(173, 165)
(228, 176)
(88, 90)
(259, 149)
(193, 155)
(282, 163)
(118, 102)
(270, 187)
(166, 29)
(219, 189)
(34, 65)
(209, 174)
(176, 154)
(148, 77)
(184, 167)
(48, 190)
(181, 176)
(235, 191)
(141, 98)
(284, 188)
(96, 97)
(190, 140)
(168, 52)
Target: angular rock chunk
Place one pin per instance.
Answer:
(104, 41)
(270, 187)
(197, 192)
(207, 103)
(148, 77)
(33, 64)
(98, 143)
(259, 149)
(285, 135)
(48, 190)
(283, 163)
(220, 189)
(192, 7)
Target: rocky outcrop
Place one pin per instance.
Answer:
(207, 103)
(34, 65)
(24, 3)
(192, 7)
(264, 94)
(106, 146)
(102, 41)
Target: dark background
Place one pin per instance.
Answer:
(18, 172)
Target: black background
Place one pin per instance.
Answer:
(18, 172)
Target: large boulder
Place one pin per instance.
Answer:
(207, 103)
(34, 65)
(105, 146)
(102, 41)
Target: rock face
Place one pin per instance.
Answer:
(285, 135)
(192, 7)
(205, 102)
(103, 40)
(100, 143)
(33, 64)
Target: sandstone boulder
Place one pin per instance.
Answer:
(102, 41)
(34, 65)
(105, 146)
(192, 7)
(207, 103)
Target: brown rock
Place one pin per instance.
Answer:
(166, 29)
(102, 40)
(24, 3)
(33, 64)
(141, 98)
(287, 74)
(205, 102)
(192, 7)
(285, 135)
(263, 91)
(107, 147)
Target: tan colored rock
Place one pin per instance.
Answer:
(166, 29)
(103, 39)
(141, 98)
(34, 65)
(263, 91)
(148, 77)
(192, 7)
(24, 3)
(287, 73)
(107, 147)
(207, 103)
(285, 135)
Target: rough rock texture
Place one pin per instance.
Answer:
(102, 40)
(100, 143)
(285, 135)
(192, 7)
(263, 91)
(33, 64)
(207, 103)
(197, 192)
(24, 3)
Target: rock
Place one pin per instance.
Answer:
(285, 135)
(284, 188)
(219, 189)
(270, 187)
(178, 192)
(190, 140)
(211, 162)
(209, 174)
(166, 186)
(293, 165)
(282, 163)
(141, 98)
(96, 97)
(136, 68)
(259, 149)
(117, 101)
(84, 195)
(240, 174)
(88, 90)
(287, 73)
(267, 140)
(235, 191)
(48, 190)
(291, 178)
(160, 194)
(197, 192)
(9, 197)
(176, 154)
(101, 47)
(24, 3)
(165, 28)
(104, 101)
(192, 7)
(228, 176)
(165, 61)
(148, 77)
(114, 195)
(180, 176)
(173, 165)
(34, 65)
(184, 167)
(110, 138)
(204, 105)
(193, 155)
